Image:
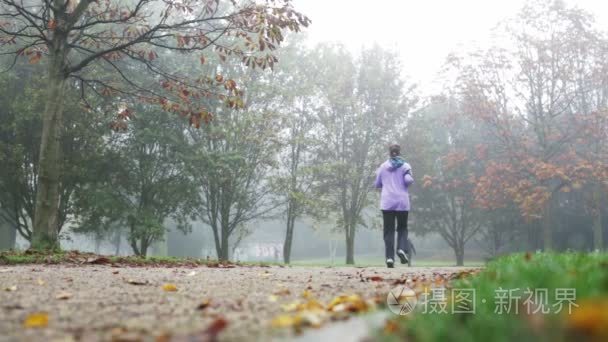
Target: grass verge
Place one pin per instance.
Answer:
(507, 307)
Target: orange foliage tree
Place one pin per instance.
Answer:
(539, 100)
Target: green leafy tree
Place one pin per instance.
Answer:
(22, 98)
(233, 158)
(363, 102)
(143, 181)
(100, 47)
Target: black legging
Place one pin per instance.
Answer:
(389, 231)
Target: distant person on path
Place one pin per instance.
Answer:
(394, 177)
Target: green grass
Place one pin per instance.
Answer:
(587, 273)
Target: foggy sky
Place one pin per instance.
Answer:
(423, 31)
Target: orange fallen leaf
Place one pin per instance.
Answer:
(375, 278)
(390, 327)
(590, 318)
(36, 320)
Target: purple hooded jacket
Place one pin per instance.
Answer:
(394, 183)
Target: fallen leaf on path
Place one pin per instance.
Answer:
(375, 278)
(98, 260)
(40, 282)
(283, 321)
(36, 320)
(350, 303)
(282, 292)
(63, 296)
(11, 288)
(170, 288)
(272, 298)
(306, 294)
(191, 274)
(137, 282)
(204, 304)
(216, 327)
(163, 337)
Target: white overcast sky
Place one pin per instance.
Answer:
(423, 31)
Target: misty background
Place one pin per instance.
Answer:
(499, 106)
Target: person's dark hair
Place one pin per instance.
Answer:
(394, 150)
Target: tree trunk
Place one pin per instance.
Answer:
(117, 238)
(288, 236)
(143, 248)
(45, 232)
(546, 230)
(598, 234)
(8, 236)
(224, 249)
(459, 253)
(350, 245)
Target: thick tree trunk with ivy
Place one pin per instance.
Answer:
(46, 217)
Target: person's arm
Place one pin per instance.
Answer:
(378, 182)
(408, 177)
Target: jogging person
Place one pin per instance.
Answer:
(394, 177)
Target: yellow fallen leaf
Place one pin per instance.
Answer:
(311, 305)
(351, 303)
(293, 306)
(11, 288)
(170, 288)
(283, 321)
(40, 282)
(313, 318)
(36, 320)
(272, 298)
(306, 294)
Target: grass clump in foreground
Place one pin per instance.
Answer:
(495, 318)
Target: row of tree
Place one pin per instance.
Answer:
(512, 153)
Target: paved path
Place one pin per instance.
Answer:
(103, 303)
